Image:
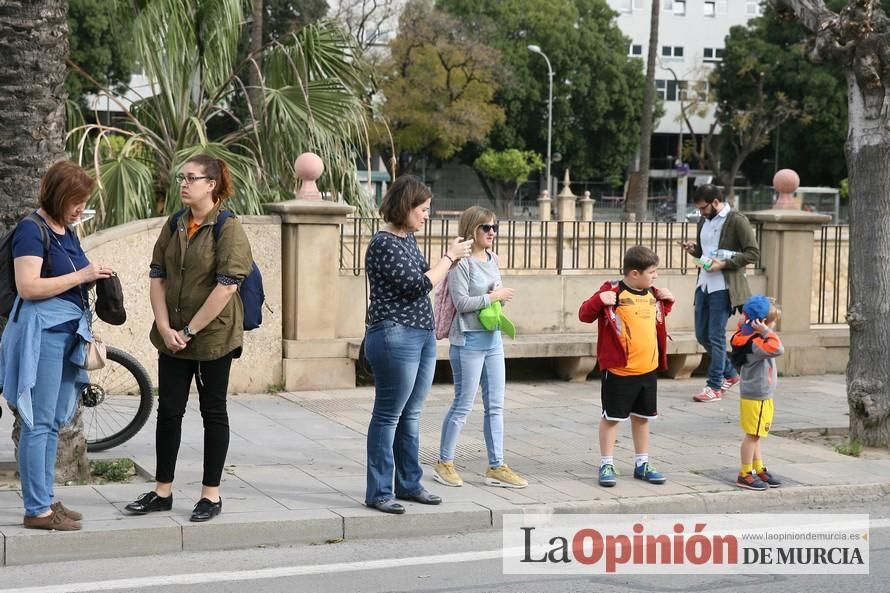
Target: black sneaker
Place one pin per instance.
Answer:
(206, 510)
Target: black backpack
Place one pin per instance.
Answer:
(251, 290)
(8, 290)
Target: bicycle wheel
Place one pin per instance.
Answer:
(116, 402)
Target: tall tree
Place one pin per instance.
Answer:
(858, 38)
(638, 183)
(502, 172)
(597, 89)
(34, 47)
(438, 84)
(312, 99)
(370, 22)
(99, 45)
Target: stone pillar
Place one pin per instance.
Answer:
(544, 202)
(586, 207)
(310, 237)
(565, 208)
(787, 240)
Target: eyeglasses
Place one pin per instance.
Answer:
(190, 179)
(487, 228)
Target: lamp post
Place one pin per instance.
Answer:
(535, 49)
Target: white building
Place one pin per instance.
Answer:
(691, 37)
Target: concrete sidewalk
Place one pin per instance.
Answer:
(296, 473)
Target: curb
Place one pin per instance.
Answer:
(164, 535)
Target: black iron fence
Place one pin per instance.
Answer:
(557, 246)
(831, 286)
(567, 246)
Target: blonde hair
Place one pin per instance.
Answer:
(471, 218)
(775, 312)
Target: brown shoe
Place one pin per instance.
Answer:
(53, 521)
(65, 511)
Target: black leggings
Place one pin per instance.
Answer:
(174, 381)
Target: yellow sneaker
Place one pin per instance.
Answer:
(504, 477)
(446, 474)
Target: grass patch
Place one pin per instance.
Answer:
(849, 447)
(274, 388)
(113, 470)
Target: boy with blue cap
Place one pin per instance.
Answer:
(755, 347)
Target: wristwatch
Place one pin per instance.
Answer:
(187, 332)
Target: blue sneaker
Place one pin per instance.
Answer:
(608, 477)
(648, 473)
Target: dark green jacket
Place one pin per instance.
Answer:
(737, 234)
(191, 268)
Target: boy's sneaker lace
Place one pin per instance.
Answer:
(771, 480)
(608, 477)
(709, 395)
(730, 383)
(504, 477)
(647, 472)
(446, 474)
(751, 481)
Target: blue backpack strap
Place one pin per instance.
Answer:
(220, 221)
(174, 220)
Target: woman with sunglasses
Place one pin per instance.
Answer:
(476, 354)
(198, 327)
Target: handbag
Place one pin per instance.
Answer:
(95, 355)
(110, 300)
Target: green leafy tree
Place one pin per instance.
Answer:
(502, 172)
(311, 99)
(812, 144)
(100, 45)
(439, 86)
(597, 89)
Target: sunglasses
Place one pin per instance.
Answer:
(487, 228)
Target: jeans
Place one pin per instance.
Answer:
(712, 312)
(403, 360)
(468, 368)
(50, 398)
(174, 382)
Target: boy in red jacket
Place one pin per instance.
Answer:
(631, 349)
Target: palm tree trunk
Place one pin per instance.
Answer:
(638, 186)
(257, 8)
(34, 41)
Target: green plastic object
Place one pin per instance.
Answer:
(492, 318)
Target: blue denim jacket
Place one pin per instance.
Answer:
(20, 350)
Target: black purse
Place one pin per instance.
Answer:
(110, 300)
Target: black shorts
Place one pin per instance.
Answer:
(622, 396)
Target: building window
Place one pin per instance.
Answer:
(671, 52)
(631, 5)
(696, 90)
(753, 8)
(710, 8)
(675, 6)
(713, 54)
(667, 89)
(635, 51)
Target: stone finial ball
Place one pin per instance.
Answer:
(308, 166)
(786, 181)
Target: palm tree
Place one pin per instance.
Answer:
(32, 133)
(310, 98)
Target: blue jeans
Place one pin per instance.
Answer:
(51, 397)
(712, 312)
(468, 368)
(403, 360)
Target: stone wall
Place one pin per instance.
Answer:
(127, 248)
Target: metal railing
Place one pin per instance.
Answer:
(831, 286)
(557, 246)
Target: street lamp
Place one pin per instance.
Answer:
(535, 49)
